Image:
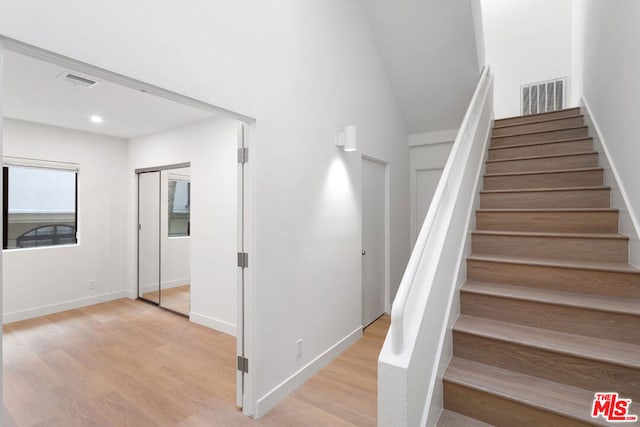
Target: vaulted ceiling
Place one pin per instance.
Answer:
(428, 48)
(429, 51)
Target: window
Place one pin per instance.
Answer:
(40, 207)
(179, 208)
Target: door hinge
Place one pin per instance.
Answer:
(139, 227)
(243, 364)
(243, 260)
(243, 155)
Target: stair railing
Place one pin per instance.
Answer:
(409, 360)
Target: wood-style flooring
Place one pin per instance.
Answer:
(127, 363)
(176, 299)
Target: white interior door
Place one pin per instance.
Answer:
(373, 240)
(149, 236)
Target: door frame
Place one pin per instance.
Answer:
(248, 305)
(387, 228)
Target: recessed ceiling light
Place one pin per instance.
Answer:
(96, 119)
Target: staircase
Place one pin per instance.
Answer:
(550, 313)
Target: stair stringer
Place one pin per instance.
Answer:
(628, 223)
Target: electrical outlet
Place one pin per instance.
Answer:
(299, 347)
(92, 284)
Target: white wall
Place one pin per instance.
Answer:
(45, 280)
(578, 21)
(279, 63)
(478, 27)
(526, 41)
(210, 146)
(428, 154)
(606, 42)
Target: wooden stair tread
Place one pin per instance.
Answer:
(582, 265)
(529, 144)
(537, 115)
(558, 398)
(548, 296)
(616, 236)
(562, 325)
(549, 210)
(542, 157)
(454, 419)
(614, 352)
(539, 132)
(534, 190)
(545, 172)
(542, 120)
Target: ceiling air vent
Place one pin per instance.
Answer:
(541, 97)
(78, 80)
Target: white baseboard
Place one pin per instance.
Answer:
(210, 322)
(628, 222)
(63, 306)
(282, 390)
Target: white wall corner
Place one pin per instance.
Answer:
(476, 10)
(628, 220)
(577, 51)
(431, 138)
(272, 398)
(216, 324)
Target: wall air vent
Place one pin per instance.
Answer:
(78, 80)
(541, 97)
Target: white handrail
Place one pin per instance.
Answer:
(408, 279)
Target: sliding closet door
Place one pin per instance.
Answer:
(175, 230)
(149, 236)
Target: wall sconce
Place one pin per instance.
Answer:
(347, 139)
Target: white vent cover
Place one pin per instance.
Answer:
(77, 79)
(541, 97)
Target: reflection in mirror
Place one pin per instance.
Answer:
(176, 243)
(179, 206)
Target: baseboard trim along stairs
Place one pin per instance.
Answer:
(550, 312)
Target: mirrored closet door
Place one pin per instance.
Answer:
(175, 218)
(149, 236)
(164, 233)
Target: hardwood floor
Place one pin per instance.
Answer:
(176, 299)
(127, 363)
